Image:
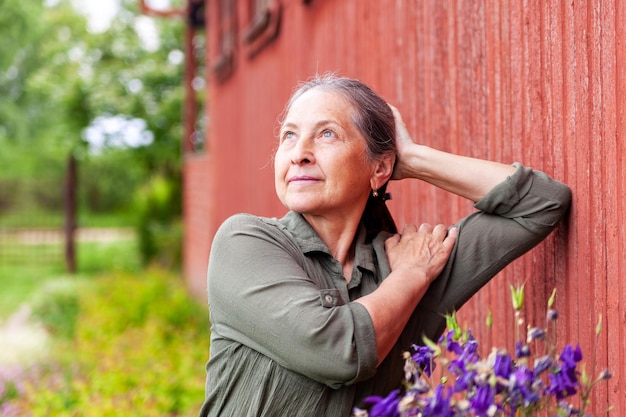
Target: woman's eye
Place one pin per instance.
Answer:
(328, 134)
(288, 135)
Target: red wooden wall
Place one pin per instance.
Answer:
(541, 82)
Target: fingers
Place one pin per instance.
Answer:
(439, 232)
(426, 228)
(433, 235)
(451, 237)
(423, 250)
(396, 115)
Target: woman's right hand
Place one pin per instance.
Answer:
(421, 252)
(417, 257)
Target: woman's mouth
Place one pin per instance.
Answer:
(301, 179)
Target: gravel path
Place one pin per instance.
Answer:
(22, 341)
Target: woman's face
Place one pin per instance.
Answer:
(321, 167)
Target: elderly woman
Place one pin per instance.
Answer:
(311, 312)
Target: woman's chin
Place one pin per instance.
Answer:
(303, 206)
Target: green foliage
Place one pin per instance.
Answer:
(99, 257)
(139, 349)
(158, 207)
(56, 307)
(108, 182)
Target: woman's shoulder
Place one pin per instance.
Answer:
(253, 225)
(246, 221)
(243, 230)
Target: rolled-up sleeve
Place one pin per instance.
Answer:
(260, 295)
(512, 218)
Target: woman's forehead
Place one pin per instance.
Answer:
(319, 101)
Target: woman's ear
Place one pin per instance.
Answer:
(383, 170)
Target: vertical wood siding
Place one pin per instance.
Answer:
(540, 82)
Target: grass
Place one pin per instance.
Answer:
(40, 264)
(25, 267)
(42, 219)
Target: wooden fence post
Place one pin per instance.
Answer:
(70, 214)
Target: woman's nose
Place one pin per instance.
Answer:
(302, 152)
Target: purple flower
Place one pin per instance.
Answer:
(605, 375)
(562, 386)
(521, 350)
(424, 359)
(483, 400)
(523, 388)
(469, 351)
(570, 356)
(564, 381)
(464, 371)
(438, 405)
(542, 364)
(448, 340)
(567, 410)
(505, 384)
(384, 407)
(471, 345)
(502, 366)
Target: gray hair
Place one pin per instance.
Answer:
(372, 115)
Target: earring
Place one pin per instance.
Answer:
(374, 193)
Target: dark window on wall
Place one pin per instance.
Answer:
(196, 91)
(195, 60)
(263, 25)
(226, 38)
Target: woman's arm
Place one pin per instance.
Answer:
(516, 214)
(468, 177)
(517, 208)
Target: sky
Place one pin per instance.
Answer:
(118, 130)
(99, 13)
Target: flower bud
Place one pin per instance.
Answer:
(605, 375)
(552, 314)
(517, 297)
(535, 333)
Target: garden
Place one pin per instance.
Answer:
(119, 339)
(120, 336)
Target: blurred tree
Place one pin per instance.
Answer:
(61, 86)
(22, 115)
(56, 78)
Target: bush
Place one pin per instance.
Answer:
(159, 230)
(139, 349)
(108, 182)
(56, 306)
(8, 194)
(49, 198)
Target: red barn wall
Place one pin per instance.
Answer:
(539, 82)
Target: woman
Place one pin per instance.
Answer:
(311, 312)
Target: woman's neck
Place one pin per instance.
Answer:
(339, 235)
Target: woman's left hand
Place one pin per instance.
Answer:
(403, 143)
